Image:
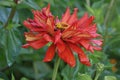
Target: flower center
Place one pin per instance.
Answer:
(62, 25)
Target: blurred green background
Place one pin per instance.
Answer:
(17, 63)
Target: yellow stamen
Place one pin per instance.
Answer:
(62, 25)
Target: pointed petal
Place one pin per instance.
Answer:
(57, 20)
(25, 46)
(84, 18)
(82, 57)
(27, 24)
(57, 36)
(50, 53)
(38, 44)
(88, 22)
(98, 42)
(39, 21)
(68, 57)
(88, 44)
(73, 17)
(66, 16)
(47, 38)
(30, 36)
(60, 46)
(85, 43)
(46, 10)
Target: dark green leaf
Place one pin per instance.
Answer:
(7, 3)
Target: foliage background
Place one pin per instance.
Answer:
(17, 63)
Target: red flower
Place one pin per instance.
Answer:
(67, 35)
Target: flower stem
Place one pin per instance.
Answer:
(88, 2)
(35, 70)
(99, 70)
(55, 69)
(97, 76)
(12, 13)
(107, 16)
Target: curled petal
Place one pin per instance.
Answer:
(60, 46)
(50, 53)
(57, 36)
(27, 24)
(38, 44)
(40, 21)
(98, 42)
(30, 36)
(68, 56)
(47, 38)
(82, 57)
(25, 46)
(85, 43)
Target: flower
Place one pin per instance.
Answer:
(67, 35)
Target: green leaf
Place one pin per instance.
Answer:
(13, 25)
(7, 3)
(29, 4)
(23, 78)
(3, 76)
(90, 9)
(110, 78)
(13, 78)
(10, 41)
(83, 77)
(38, 70)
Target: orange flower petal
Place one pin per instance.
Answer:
(57, 36)
(25, 46)
(82, 57)
(83, 19)
(68, 57)
(47, 37)
(50, 53)
(46, 10)
(38, 44)
(66, 16)
(27, 24)
(88, 22)
(60, 46)
(73, 17)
